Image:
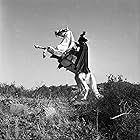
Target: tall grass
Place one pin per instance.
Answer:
(48, 113)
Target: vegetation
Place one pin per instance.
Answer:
(49, 113)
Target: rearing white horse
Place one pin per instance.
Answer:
(84, 81)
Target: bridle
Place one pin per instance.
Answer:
(62, 30)
(59, 32)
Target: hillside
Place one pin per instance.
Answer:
(49, 113)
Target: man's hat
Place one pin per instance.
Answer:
(82, 38)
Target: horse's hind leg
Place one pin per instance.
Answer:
(82, 77)
(93, 85)
(78, 82)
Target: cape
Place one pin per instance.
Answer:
(82, 59)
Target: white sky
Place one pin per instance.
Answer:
(112, 27)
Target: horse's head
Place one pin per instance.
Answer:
(67, 39)
(61, 32)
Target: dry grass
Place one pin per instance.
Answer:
(48, 113)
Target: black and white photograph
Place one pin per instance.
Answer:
(69, 69)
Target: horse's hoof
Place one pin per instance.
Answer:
(44, 56)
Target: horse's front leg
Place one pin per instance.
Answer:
(40, 47)
(45, 53)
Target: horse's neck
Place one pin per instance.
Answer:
(67, 42)
(72, 41)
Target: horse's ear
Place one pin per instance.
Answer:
(67, 28)
(56, 32)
